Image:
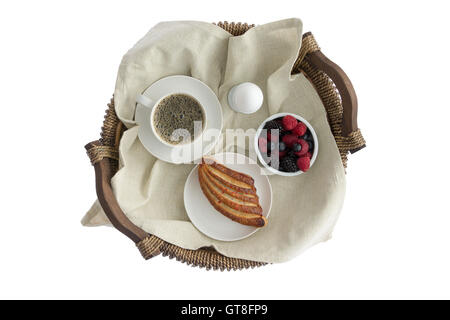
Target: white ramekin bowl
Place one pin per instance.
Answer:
(260, 157)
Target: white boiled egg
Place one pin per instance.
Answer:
(245, 98)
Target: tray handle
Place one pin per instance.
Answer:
(343, 85)
(103, 175)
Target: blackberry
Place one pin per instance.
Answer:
(291, 154)
(288, 164)
(273, 125)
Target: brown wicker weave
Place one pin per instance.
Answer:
(338, 97)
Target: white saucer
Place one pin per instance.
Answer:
(211, 222)
(188, 152)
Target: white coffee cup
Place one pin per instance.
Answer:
(149, 103)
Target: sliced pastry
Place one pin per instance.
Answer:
(231, 193)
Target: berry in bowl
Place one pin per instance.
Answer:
(286, 144)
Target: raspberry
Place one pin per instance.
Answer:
(262, 144)
(300, 129)
(289, 140)
(281, 154)
(308, 154)
(275, 137)
(289, 122)
(304, 149)
(303, 163)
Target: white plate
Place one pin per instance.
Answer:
(188, 152)
(211, 222)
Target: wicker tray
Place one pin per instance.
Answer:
(338, 97)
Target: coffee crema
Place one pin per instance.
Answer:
(176, 117)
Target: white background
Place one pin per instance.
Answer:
(58, 63)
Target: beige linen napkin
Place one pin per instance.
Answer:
(150, 191)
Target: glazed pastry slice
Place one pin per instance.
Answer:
(238, 203)
(231, 193)
(247, 197)
(232, 179)
(249, 219)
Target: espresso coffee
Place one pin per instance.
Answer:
(178, 118)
